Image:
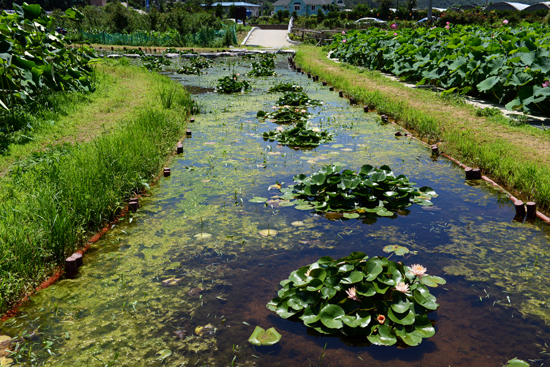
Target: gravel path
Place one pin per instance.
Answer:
(268, 38)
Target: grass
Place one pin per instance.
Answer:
(514, 154)
(52, 198)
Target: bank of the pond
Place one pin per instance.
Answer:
(77, 175)
(515, 156)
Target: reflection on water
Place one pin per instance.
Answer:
(198, 230)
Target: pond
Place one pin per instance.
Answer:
(198, 226)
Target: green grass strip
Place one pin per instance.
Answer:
(52, 200)
(517, 157)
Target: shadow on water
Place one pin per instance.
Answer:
(192, 259)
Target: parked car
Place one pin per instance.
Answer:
(370, 20)
(434, 19)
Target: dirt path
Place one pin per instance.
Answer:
(268, 38)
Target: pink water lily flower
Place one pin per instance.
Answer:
(395, 34)
(394, 26)
(505, 21)
(343, 32)
(381, 319)
(402, 287)
(343, 41)
(279, 128)
(352, 294)
(447, 23)
(418, 270)
(546, 84)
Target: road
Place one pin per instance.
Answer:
(268, 38)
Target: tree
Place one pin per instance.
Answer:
(219, 11)
(320, 15)
(233, 12)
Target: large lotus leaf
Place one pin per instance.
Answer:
(331, 316)
(520, 79)
(264, 337)
(373, 267)
(488, 83)
(405, 318)
(542, 65)
(73, 13)
(424, 298)
(354, 277)
(385, 336)
(517, 363)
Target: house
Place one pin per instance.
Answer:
(305, 7)
(251, 9)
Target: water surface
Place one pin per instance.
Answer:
(199, 226)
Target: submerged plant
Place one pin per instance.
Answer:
(285, 87)
(371, 190)
(299, 136)
(232, 84)
(357, 296)
(297, 99)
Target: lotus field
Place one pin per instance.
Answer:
(505, 65)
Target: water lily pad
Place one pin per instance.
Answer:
(517, 363)
(202, 236)
(264, 337)
(165, 353)
(351, 215)
(286, 203)
(304, 207)
(398, 250)
(258, 199)
(170, 282)
(273, 153)
(268, 232)
(298, 223)
(331, 316)
(336, 146)
(346, 150)
(205, 181)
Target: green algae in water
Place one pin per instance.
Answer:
(118, 303)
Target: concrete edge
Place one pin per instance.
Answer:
(291, 41)
(248, 36)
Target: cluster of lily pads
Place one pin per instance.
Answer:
(154, 63)
(285, 87)
(285, 114)
(297, 99)
(232, 84)
(195, 66)
(265, 66)
(300, 135)
(371, 190)
(385, 301)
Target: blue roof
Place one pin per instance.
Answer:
(237, 3)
